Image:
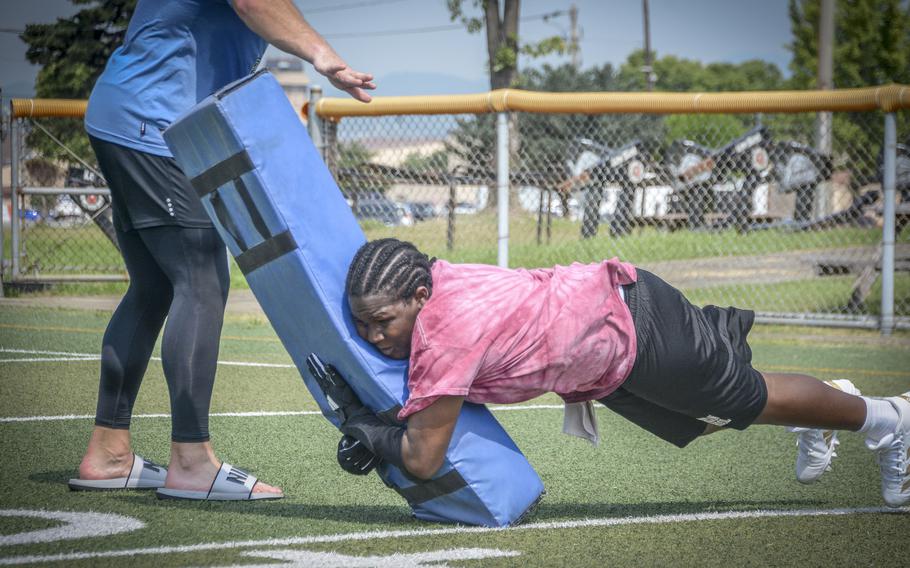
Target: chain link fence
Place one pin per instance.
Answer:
(776, 212)
(768, 211)
(57, 223)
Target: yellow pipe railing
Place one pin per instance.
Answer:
(887, 98)
(37, 108)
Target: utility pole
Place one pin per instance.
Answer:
(647, 69)
(824, 120)
(573, 39)
(825, 72)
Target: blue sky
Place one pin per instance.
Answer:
(379, 36)
(706, 30)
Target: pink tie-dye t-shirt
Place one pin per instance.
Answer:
(499, 335)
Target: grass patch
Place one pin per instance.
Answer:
(476, 237)
(13, 525)
(828, 295)
(632, 474)
(81, 249)
(475, 242)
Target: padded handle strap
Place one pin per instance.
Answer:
(258, 221)
(266, 251)
(226, 221)
(227, 171)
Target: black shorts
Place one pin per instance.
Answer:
(147, 190)
(693, 366)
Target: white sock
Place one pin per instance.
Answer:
(881, 419)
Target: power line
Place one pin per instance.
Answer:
(405, 31)
(431, 29)
(318, 10)
(352, 5)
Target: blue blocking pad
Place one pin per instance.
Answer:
(284, 220)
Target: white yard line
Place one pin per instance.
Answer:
(68, 417)
(251, 414)
(69, 357)
(50, 359)
(249, 364)
(93, 357)
(35, 352)
(417, 533)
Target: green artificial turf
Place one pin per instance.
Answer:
(631, 475)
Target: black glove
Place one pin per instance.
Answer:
(341, 398)
(357, 421)
(379, 438)
(354, 457)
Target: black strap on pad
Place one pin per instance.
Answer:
(230, 170)
(424, 491)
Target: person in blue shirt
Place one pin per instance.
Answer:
(174, 55)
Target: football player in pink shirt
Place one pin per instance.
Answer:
(607, 332)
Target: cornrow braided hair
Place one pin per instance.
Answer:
(391, 267)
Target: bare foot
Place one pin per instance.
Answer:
(194, 465)
(266, 488)
(108, 456)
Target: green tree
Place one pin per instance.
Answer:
(871, 43)
(752, 75)
(503, 49)
(503, 45)
(871, 48)
(72, 53)
(675, 74)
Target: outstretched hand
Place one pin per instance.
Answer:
(281, 24)
(333, 67)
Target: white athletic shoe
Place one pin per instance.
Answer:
(816, 448)
(893, 455)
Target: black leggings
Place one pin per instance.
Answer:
(181, 274)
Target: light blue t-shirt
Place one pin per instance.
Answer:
(175, 53)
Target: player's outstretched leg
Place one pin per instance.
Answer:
(800, 400)
(816, 448)
(892, 446)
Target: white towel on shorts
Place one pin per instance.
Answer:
(580, 420)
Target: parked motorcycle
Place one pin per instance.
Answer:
(800, 169)
(597, 167)
(698, 172)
